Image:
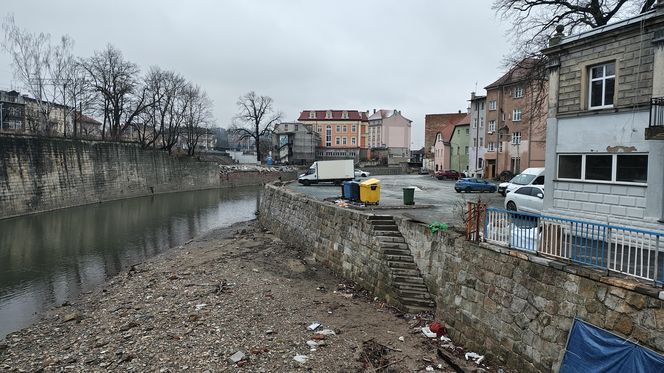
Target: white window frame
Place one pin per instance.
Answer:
(614, 169)
(344, 140)
(603, 79)
(492, 105)
(328, 115)
(516, 115)
(500, 146)
(312, 115)
(518, 92)
(491, 146)
(492, 126)
(337, 140)
(328, 135)
(353, 141)
(516, 138)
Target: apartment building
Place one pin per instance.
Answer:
(295, 143)
(515, 135)
(343, 133)
(477, 135)
(435, 125)
(389, 132)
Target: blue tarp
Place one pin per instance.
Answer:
(590, 349)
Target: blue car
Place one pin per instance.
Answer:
(469, 184)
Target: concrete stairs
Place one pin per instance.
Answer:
(410, 290)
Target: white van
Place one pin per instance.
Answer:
(529, 176)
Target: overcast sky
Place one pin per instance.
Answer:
(416, 56)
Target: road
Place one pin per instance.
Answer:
(439, 194)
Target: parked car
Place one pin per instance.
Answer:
(526, 199)
(448, 175)
(529, 176)
(506, 175)
(469, 184)
(360, 173)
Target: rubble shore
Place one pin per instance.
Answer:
(237, 299)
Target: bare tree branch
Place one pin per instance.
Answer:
(256, 119)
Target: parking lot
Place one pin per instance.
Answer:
(445, 204)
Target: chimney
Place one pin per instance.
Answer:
(472, 95)
(557, 37)
(459, 111)
(374, 111)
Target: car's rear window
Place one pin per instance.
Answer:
(523, 179)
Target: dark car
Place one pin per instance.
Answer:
(470, 184)
(448, 175)
(506, 175)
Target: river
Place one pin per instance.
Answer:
(49, 258)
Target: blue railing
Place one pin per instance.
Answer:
(633, 252)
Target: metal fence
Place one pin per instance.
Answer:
(633, 252)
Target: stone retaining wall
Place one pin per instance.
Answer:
(40, 174)
(515, 308)
(340, 238)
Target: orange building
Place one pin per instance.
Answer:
(343, 133)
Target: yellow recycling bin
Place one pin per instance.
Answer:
(370, 191)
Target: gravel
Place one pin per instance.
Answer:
(237, 299)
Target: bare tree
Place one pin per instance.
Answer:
(255, 119)
(120, 96)
(41, 67)
(198, 119)
(534, 21)
(78, 93)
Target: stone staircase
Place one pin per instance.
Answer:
(410, 290)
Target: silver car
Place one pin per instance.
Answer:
(526, 199)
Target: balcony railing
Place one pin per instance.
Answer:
(656, 112)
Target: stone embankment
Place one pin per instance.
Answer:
(238, 299)
(40, 174)
(515, 308)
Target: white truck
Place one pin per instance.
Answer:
(328, 171)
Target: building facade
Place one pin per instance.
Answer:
(605, 129)
(435, 124)
(389, 129)
(442, 149)
(12, 112)
(515, 135)
(295, 143)
(477, 135)
(459, 145)
(343, 133)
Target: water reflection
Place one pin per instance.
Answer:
(48, 258)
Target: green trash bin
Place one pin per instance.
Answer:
(408, 196)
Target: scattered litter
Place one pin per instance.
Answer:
(437, 328)
(301, 358)
(402, 339)
(326, 332)
(429, 368)
(416, 188)
(445, 339)
(312, 344)
(428, 333)
(477, 358)
(200, 306)
(313, 326)
(254, 270)
(236, 357)
(269, 331)
(341, 203)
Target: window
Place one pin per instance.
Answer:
(296, 128)
(500, 146)
(516, 115)
(518, 92)
(353, 128)
(602, 85)
(515, 165)
(481, 105)
(480, 163)
(328, 114)
(492, 105)
(524, 190)
(490, 146)
(516, 138)
(466, 150)
(467, 131)
(352, 141)
(502, 117)
(475, 123)
(344, 128)
(312, 115)
(481, 122)
(328, 136)
(624, 168)
(337, 140)
(475, 142)
(338, 128)
(492, 126)
(481, 141)
(286, 127)
(344, 114)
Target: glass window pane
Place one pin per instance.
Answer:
(610, 69)
(524, 190)
(632, 168)
(597, 72)
(569, 166)
(535, 191)
(598, 167)
(609, 85)
(596, 93)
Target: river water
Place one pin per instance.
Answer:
(47, 259)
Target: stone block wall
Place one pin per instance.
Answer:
(341, 239)
(40, 174)
(515, 308)
(519, 308)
